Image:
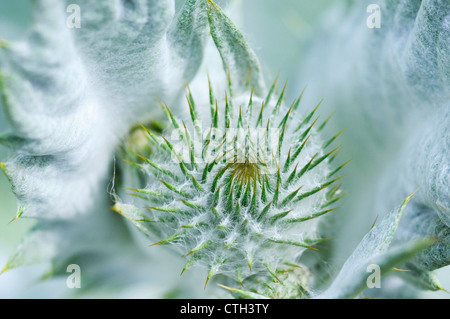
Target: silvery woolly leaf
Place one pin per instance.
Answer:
(424, 161)
(70, 94)
(237, 56)
(391, 86)
(383, 80)
(374, 249)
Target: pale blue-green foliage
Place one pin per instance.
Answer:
(235, 52)
(391, 87)
(71, 94)
(428, 215)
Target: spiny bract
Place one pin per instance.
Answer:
(241, 194)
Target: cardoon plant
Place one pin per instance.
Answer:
(233, 180)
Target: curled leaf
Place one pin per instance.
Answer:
(71, 94)
(237, 56)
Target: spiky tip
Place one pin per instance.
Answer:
(19, 213)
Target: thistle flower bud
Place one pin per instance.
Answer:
(239, 190)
